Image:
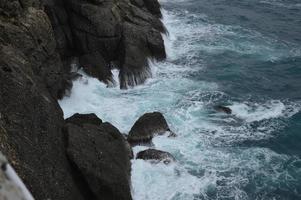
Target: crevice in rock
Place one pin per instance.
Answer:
(7, 69)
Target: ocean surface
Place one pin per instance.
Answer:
(245, 54)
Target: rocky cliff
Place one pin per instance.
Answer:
(38, 41)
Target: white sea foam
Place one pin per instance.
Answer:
(257, 112)
(281, 3)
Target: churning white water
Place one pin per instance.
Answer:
(209, 163)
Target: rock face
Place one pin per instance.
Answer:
(31, 78)
(29, 30)
(37, 40)
(123, 34)
(146, 127)
(157, 155)
(100, 156)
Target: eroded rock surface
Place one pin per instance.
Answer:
(99, 154)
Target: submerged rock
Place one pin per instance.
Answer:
(157, 155)
(224, 109)
(146, 127)
(100, 158)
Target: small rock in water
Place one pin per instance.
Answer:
(157, 155)
(224, 109)
(146, 127)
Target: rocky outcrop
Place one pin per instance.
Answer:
(146, 127)
(155, 155)
(38, 38)
(31, 78)
(106, 34)
(100, 156)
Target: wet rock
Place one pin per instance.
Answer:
(224, 109)
(94, 65)
(146, 127)
(32, 78)
(100, 157)
(157, 155)
(32, 34)
(154, 7)
(81, 119)
(74, 76)
(127, 32)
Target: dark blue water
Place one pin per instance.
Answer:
(255, 60)
(245, 54)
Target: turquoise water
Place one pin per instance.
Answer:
(244, 54)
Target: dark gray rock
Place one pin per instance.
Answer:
(156, 155)
(31, 123)
(101, 32)
(94, 65)
(224, 109)
(81, 119)
(154, 7)
(135, 69)
(146, 127)
(32, 34)
(99, 153)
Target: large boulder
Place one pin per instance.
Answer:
(156, 156)
(81, 119)
(31, 123)
(146, 127)
(154, 7)
(100, 157)
(31, 33)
